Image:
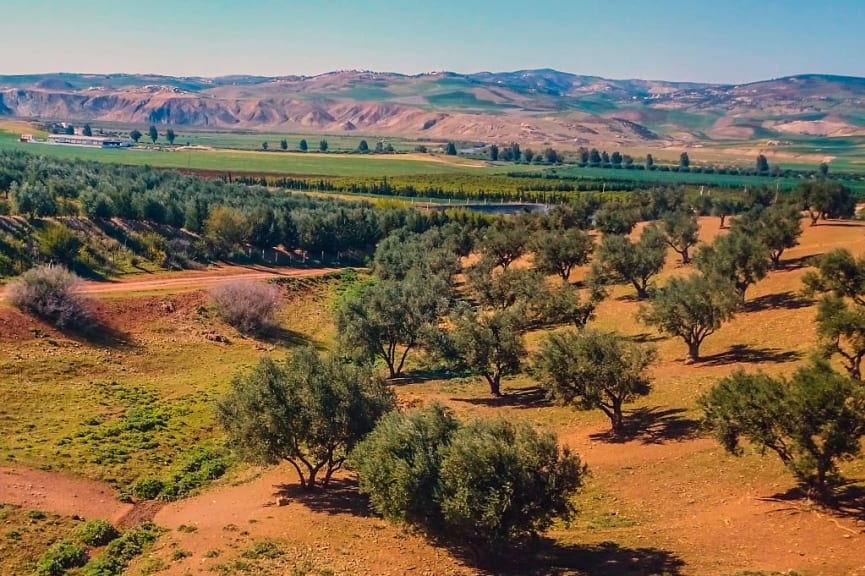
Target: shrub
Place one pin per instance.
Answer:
(49, 292)
(487, 483)
(147, 488)
(249, 306)
(59, 558)
(120, 552)
(96, 533)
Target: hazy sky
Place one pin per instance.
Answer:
(699, 40)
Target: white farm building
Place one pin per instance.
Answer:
(95, 141)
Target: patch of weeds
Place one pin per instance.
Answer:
(201, 466)
(36, 515)
(96, 533)
(152, 566)
(13, 534)
(263, 549)
(186, 529)
(120, 552)
(233, 568)
(230, 528)
(180, 555)
(60, 557)
(213, 553)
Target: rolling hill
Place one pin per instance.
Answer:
(531, 106)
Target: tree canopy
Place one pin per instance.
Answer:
(482, 483)
(690, 308)
(594, 370)
(309, 411)
(809, 421)
(620, 260)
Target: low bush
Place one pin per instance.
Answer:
(96, 533)
(60, 557)
(249, 306)
(483, 483)
(50, 293)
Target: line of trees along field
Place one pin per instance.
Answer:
(319, 412)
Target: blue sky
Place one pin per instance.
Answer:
(707, 41)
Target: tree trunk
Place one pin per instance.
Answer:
(642, 293)
(616, 418)
(495, 384)
(694, 350)
(723, 218)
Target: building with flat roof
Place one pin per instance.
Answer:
(95, 141)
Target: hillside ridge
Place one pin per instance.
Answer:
(541, 106)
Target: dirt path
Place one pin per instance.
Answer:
(187, 280)
(60, 493)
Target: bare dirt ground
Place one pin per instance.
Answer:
(60, 493)
(186, 280)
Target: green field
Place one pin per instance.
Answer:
(242, 161)
(692, 178)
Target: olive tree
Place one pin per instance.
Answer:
(309, 411)
(738, 257)
(778, 227)
(490, 344)
(503, 243)
(594, 370)
(620, 260)
(840, 277)
(691, 308)
(560, 251)
(483, 483)
(388, 319)
(809, 421)
(680, 231)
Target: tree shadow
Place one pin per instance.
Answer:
(545, 557)
(845, 499)
(278, 335)
(784, 300)
(525, 397)
(421, 375)
(652, 425)
(645, 338)
(800, 262)
(744, 354)
(840, 223)
(340, 497)
(102, 336)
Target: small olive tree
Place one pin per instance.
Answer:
(680, 231)
(810, 421)
(309, 411)
(560, 251)
(490, 344)
(738, 257)
(691, 308)
(594, 370)
(840, 277)
(619, 260)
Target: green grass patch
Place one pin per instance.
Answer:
(120, 552)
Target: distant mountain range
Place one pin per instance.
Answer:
(543, 107)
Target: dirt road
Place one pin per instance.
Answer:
(187, 280)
